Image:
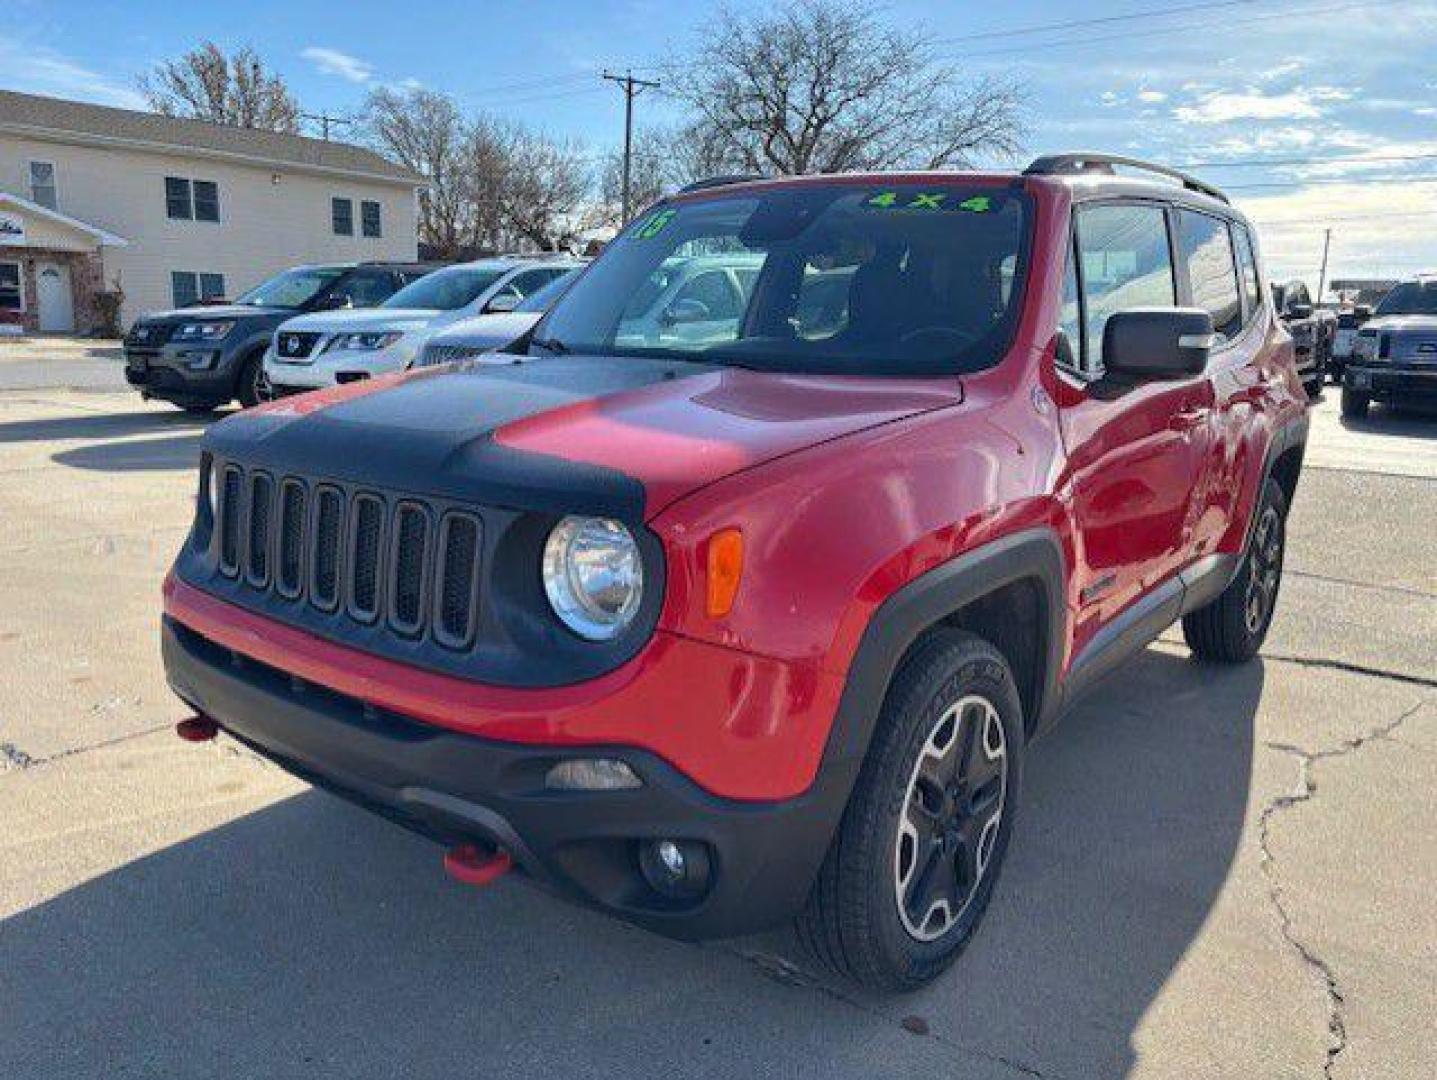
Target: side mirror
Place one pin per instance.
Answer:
(505, 301)
(685, 311)
(1300, 311)
(1362, 312)
(1150, 344)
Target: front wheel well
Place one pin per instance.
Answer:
(1013, 618)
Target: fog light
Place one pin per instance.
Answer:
(592, 774)
(677, 869)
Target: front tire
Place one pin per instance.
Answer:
(1232, 628)
(253, 386)
(1354, 404)
(923, 839)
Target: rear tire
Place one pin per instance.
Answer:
(1231, 629)
(923, 838)
(1354, 404)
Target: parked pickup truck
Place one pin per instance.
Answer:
(1313, 330)
(716, 631)
(1395, 358)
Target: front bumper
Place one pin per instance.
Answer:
(332, 368)
(454, 787)
(169, 373)
(1392, 380)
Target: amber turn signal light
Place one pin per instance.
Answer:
(725, 566)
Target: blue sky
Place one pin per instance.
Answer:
(1187, 82)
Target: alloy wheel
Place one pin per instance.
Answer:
(951, 816)
(1265, 570)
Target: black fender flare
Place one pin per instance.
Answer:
(925, 601)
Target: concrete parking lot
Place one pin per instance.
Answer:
(1219, 872)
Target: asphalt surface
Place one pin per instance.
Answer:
(1218, 872)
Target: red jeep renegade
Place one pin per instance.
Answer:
(737, 589)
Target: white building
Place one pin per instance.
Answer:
(96, 201)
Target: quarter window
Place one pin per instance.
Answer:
(42, 184)
(1207, 259)
(341, 212)
(1126, 263)
(12, 295)
(1247, 266)
(369, 218)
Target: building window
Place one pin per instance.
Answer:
(189, 288)
(177, 198)
(207, 200)
(192, 200)
(12, 293)
(42, 184)
(341, 212)
(369, 218)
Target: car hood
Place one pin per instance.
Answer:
(210, 312)
(369, 320)
(614, 436)
(1388, 324)
(487, 331)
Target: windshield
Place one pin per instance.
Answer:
(1411, 298)
(838, 278)
(445, 290)
(541, 300)
(292, 289)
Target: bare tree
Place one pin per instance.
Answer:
(425, 132)
(824, 87)
(547, 187)
(205, 84)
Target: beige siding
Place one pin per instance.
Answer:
(270, 218)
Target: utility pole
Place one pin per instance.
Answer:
(1322, 276)
(325, 120)
(632, 88)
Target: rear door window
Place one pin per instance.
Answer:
(1126, 263)
(1207, 260)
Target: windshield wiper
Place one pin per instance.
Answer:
(553, 345)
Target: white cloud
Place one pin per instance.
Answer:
(36, 69)
(1109, 99)
(1280, 71)
(333, 62)
(1152, 97)
(1225, 106)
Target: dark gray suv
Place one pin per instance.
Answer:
(202, 357)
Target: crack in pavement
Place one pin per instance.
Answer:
(1306, 791)
(13, 758)
(1430, 682)
(1406, 590)
(784, 971)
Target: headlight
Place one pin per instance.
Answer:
(593, 576)
(363, 342)
(204, 331)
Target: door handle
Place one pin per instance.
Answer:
(1188, 419)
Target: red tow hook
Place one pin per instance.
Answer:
(197, 729)
(473, 865)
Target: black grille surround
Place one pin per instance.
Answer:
(425, 580)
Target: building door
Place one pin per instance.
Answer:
(54, 299)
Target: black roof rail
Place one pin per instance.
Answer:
(1078, 163)
(721, 181)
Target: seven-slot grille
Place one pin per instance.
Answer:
(370, 557)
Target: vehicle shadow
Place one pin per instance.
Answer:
(134, 455)
(1395, 420)
(102, 426)
(308, 939)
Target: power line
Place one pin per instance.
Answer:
(1365, 181)
(1202, 25)
(1074, 24)
(1261, 163)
